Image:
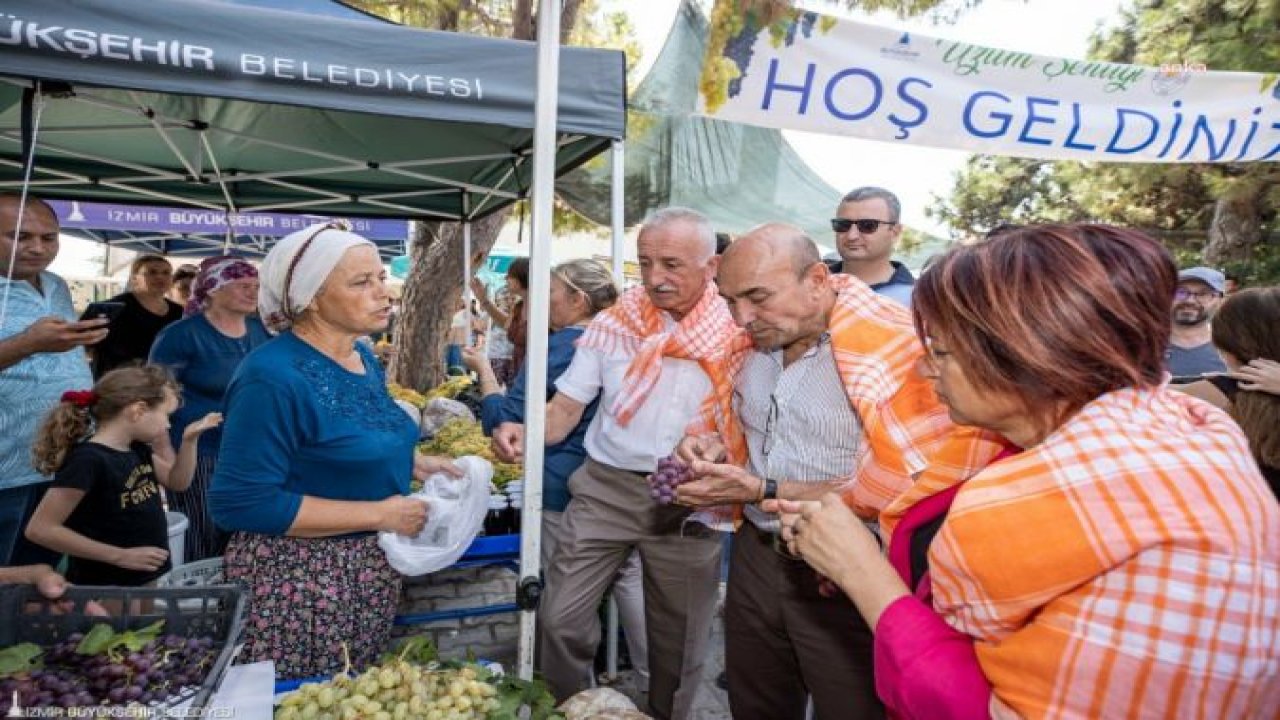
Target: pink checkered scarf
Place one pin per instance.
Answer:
(706, 335)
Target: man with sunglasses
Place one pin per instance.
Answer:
(867, 227)
(1191, 352)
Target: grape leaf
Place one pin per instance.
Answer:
(515, 694)
(509, 705)
(20, 658)
(136, 640)
(96, 640)
(417, 650)
(483, 674)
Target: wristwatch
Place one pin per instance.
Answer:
(770, 489)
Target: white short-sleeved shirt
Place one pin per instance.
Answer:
(657, 426)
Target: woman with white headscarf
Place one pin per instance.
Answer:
(203, 351)
(316, 458)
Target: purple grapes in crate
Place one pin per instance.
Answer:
(670, 474)
(70, 678)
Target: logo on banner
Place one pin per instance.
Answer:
(901, 50)
(1165, 84)
(1172, 77)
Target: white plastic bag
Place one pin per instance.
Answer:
(457, 507)
(440, 411)
(600, 704)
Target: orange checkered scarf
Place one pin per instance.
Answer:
(906, 428)
(707, 335)
(1127, 566)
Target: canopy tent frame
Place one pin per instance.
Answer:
(321, 200)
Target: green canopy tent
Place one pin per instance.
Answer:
(238, 108)
(736, 174)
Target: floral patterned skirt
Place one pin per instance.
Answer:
(307, 597)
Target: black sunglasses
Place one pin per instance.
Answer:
(867, 227)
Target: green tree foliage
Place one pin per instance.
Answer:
(1221, 214)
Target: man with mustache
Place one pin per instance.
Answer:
(1191, 353)
(867, 227)
(41, 356)
(653, 359)
(829, 400)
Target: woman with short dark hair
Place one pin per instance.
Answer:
(508, 334)
(1120, 560)
(183, 278)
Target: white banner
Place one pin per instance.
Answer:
(811, 72)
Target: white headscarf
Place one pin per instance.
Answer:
(321, 248)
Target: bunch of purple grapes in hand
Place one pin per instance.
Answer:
(670, 474)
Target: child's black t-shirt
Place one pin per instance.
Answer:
(121, 507)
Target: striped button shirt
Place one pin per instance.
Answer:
(33, 385)
(797, 420)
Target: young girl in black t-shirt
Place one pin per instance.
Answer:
(104, 508)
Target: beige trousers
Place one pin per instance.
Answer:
(611, 515)
(628, 592)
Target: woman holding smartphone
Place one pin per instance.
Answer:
(146, 312)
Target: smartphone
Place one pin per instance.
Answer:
(105, 309)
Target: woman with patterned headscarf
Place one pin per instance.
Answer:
(316, 458)
(203, 351)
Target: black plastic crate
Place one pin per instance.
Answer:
(216, 611)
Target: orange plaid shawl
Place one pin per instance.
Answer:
(906, 428)
(1128, 566)
(634, 326)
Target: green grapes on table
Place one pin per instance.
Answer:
(395, 690)
(460, 437)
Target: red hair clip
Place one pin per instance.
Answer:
(80, 398)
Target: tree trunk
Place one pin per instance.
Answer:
(1236, 228)
(430, 297)
(524, 20)
(568, 18)
(435, 277)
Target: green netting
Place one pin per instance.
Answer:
(739, 176)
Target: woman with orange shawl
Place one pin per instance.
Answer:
(1121, 560)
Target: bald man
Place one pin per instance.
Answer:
(41, 356)
(828, 401)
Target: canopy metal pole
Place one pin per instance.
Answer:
(535, 403)
(617, 217)
(466, 265)
(617, 223)
(32, 111)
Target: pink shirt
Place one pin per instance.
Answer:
(925, 669)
